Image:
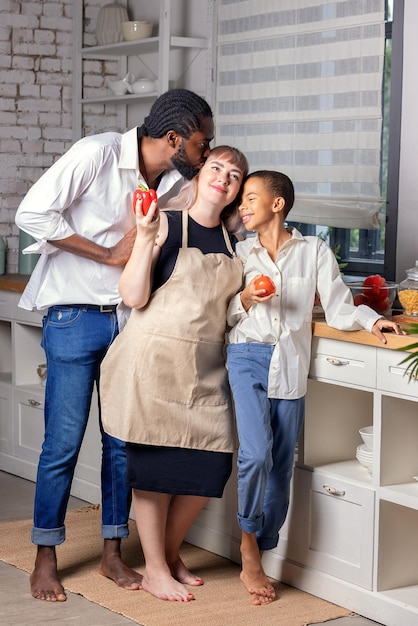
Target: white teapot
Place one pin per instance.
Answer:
(121, 86)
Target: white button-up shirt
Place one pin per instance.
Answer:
(88, 192)
(303, 266)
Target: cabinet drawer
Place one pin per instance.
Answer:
(28, 425)
(337, 520)
(391, 375)
(344, 362)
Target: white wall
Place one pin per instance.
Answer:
(407, 248)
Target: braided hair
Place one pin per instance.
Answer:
(180, 110)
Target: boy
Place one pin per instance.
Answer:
(268, 358)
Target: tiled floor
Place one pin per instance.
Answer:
(18, 608)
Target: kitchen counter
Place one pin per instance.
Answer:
(13, 282)
(394, 342)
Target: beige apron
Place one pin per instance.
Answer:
(164, 381)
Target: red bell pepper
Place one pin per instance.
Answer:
(147, 196)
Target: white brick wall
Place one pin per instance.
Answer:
(36, 97)
(35, 104)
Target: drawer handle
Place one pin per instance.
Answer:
(33, 402)
(333, 491)
(337, 361)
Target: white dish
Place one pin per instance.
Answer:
(366, 434)
(143, 85)
(365, 457)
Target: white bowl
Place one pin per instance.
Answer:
(365, 457)
(366, 434)
(143, 85)
(136, 30)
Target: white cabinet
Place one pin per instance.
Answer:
(22, 402)
(357, 533)
(178, 54)
(350, 537)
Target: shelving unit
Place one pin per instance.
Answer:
(167, 57)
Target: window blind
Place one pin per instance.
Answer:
(299, 90)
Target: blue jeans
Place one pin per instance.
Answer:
(268, 430)
(75, 341)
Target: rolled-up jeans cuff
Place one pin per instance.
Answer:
(250, 525)
(115, 532)
(48, 536)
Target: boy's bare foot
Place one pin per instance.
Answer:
(114, 568)
(252, 574)
(162, 585)
(259, 587)
(44, 582)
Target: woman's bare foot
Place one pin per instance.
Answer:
(180, 572)
(44, 582)
(114, 568)
(162, 585)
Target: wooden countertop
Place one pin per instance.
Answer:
(13, 282)
(394, 342)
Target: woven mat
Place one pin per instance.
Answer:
(221, 601)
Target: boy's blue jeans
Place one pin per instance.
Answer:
(75, 341)
(268, 430)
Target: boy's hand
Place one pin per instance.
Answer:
(250, 295)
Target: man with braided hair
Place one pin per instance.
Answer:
(80, 213)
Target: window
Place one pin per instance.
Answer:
(374, 251)
(300, 89)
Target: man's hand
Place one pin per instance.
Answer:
(120, 253)
(116, 256)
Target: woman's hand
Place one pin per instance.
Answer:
(147, 225)
(384, 324)
(250, 295)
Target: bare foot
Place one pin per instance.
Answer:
(44, 582)
(180, 572)
(162, 585)
(114, 568)
(252, 574)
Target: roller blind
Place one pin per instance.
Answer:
(299, 89)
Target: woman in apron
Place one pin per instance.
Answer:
(164, 386)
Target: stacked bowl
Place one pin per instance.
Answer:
(364, 452)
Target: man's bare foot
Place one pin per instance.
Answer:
(180, 572)
(162, 585)
(114, 568)
(44, 582)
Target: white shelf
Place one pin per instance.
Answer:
(141, 46)
(128, 98)
(405, 494)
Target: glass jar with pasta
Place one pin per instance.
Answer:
(408, 292)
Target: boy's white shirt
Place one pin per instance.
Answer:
(303, 266)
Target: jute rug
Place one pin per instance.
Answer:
(221, 601)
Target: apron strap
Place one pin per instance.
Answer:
(185, 216)
(227, 240)
(184, 220)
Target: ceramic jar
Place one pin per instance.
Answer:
(109, 24)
